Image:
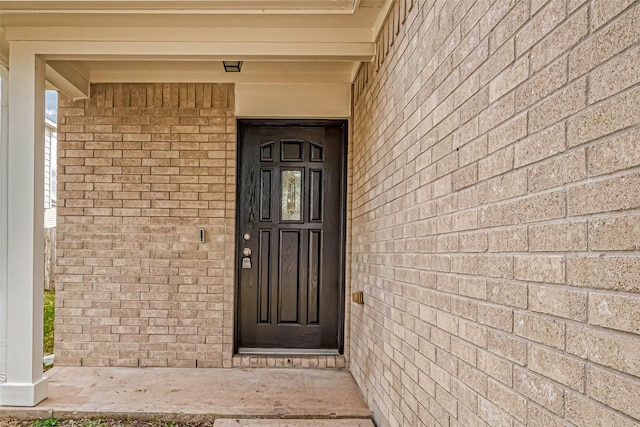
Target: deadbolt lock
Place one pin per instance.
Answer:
(246, 262)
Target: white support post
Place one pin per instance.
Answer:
(4, 196)
(25, 385)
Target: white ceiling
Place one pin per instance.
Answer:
(158, 40)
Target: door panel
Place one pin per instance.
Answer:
(264, 276)
(289, 280)
(313, 276)
(266, 194)
(291, 208)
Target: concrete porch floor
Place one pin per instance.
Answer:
(239, 396)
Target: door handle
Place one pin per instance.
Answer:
(246, 258)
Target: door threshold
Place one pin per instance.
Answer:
(288, 351)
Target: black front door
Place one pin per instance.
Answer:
(290, 240)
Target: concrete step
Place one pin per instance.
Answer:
(293, 423)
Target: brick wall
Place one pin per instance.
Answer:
(496, 226)
(142, 168)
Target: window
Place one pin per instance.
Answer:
(50, 150)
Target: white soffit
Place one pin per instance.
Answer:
(186, 6)
(213, 71)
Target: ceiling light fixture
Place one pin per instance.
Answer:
(232, 66)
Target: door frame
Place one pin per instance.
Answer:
(344, 136)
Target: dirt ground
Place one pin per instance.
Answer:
(53, 422)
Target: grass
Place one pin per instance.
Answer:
(50, 422)
(49, 316)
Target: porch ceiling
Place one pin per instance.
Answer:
(230, 6)
(282, 41)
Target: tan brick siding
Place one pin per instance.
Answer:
(142, 168)
(495, 198)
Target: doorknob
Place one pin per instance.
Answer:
(246, 260)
